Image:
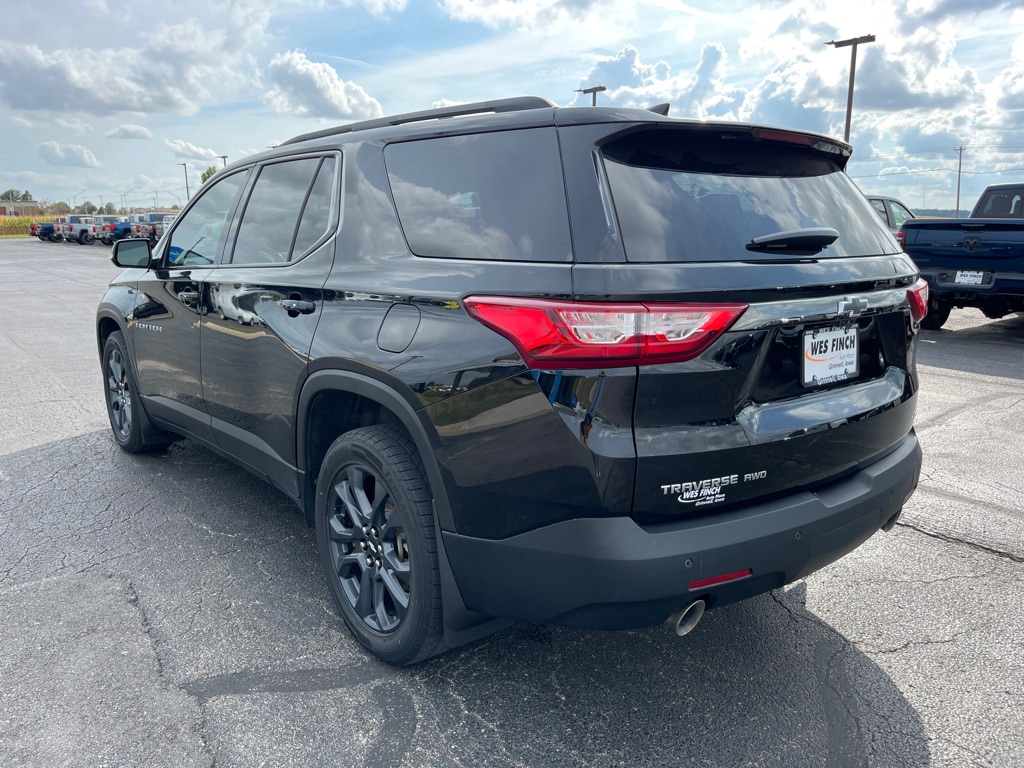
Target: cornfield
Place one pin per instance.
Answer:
(18, 225)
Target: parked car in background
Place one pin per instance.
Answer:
(44, 230)
(83, 230)
(973, 262)
(108, 228)
(893, 212)
(593, 367)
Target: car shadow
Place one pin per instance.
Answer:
(762, 682)
(227, 576)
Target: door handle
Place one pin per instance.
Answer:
(299, 306)
(188, 296)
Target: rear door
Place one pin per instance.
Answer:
(815, 378)
(263, 303)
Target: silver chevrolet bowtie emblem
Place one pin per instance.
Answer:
(852, 306)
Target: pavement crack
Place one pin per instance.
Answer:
(963, 498)
(971, 544)
(909, 644)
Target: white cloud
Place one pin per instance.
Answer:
(22, 122)
(68, 154)
(634, 83)
(190, 151)
(159, 68)
(313, 89)
(130, 131)
(520, 13)
(446, 103)
(73, 124)
(88, 81)
(379, 7)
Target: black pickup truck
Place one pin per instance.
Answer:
(972, 262)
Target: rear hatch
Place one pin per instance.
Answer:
(815, 378)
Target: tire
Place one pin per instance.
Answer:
(995, 313)
(55, 239)
(938, 314)
(85, 239)
(378, 548)
(128, 421)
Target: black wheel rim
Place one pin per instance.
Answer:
(119, 395)
(369, 548)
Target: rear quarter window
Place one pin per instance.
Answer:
(497, 196)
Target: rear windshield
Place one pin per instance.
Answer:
(686, 196)
(497, 196)
(1001, 204)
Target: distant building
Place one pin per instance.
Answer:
(19, 208)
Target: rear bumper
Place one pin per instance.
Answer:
(996, 287)
(611, 573)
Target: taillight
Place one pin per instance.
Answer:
(917, 295)
(901, 238)
(568, 334)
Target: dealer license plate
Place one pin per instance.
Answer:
(830, 354)
(969, 277)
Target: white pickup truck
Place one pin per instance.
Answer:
(77, 229)
(151, 226)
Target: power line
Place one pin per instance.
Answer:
(902, 154)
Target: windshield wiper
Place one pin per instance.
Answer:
(795, 242)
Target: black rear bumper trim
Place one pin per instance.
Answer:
(611, 573)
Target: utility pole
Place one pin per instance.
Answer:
(853, 42)
(187, 195)
(224, 159)
(593, 91)
(959, 167)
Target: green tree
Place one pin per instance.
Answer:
(88, 207)
(59, 208)
(26, 196)
(11, 196)
(110, 209)
(208, 174)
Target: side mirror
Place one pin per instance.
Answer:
(132, 253)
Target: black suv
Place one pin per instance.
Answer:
(590, 367)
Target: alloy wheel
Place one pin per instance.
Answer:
(369, 548)
(119, 394)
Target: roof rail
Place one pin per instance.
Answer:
(457, 110)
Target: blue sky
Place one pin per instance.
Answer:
(106, 98)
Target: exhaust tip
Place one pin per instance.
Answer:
(891, 522)
(685, 620)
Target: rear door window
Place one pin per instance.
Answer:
(700, 196)
(268, 233)
(497, 196)
(899, 213)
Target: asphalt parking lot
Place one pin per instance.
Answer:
(168, 609)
